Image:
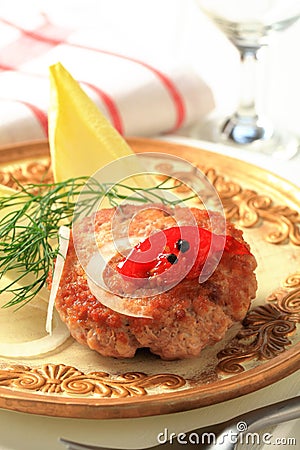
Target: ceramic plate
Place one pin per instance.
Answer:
(76, 382)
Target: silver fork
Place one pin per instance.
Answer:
(224, 435)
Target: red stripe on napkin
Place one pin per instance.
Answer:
(115, 116)
(38, 113)
(165, 80)
(30, 44)
(111, 107)
(177, 98)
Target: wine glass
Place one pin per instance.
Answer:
(249, 24)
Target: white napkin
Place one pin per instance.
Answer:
(126, 55)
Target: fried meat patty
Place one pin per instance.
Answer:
(185, 319)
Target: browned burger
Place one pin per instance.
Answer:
(181, 320)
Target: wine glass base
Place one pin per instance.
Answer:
(264, 139)
(256, 135)
(246, 130)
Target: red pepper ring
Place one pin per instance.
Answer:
(167, 248)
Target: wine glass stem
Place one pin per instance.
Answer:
(248, 94)
(245, 126)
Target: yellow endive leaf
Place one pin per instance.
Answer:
(81, 139)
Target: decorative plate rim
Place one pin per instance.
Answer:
(172, 401)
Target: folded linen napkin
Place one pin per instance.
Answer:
(126, 56)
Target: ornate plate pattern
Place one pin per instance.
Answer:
(75, 382)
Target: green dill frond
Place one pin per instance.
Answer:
(31, 217)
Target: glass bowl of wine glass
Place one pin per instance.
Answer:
(250, 25)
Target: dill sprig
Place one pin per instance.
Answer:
(31, 217)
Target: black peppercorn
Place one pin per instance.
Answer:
(172, 258)
(183, 245)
